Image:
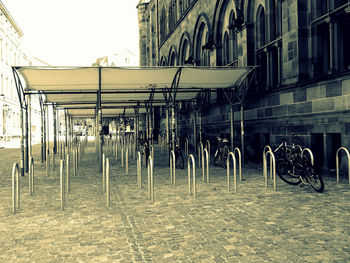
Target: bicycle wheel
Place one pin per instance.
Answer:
(224, 155)
(286, 173)
(180, 160)
(314, 179)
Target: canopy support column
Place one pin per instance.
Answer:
(232, 126)
(30, 125)
(54, 129)
(100, 119)
(42, 121)
(26, 141)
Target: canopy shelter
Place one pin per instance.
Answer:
(110, 91)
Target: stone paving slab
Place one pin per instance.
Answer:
(255, 225)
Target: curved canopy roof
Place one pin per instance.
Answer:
(77, 88)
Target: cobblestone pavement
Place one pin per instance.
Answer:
(291, 224)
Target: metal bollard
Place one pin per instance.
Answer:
(103, 172)
(205, 153)
(47, 162)
(139, 161)
(150, 179)
(127, 161)
(337, 162)
(31, 176)
(200, 151)
(189, 161)
(53, 161)
(172, 168)
(152, 153)
(15, 188)
(207, 146)
(62, 184)
(74, 162)
(116, 151)
(107, 183)
(265, 163)
(238, 151)
(67, 177)
(122, 156)
(234, 172)
(186, 146)
(272, 168)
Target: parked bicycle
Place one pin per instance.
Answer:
(295, 168)
(221, 153)
(179, 158)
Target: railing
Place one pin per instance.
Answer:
(15, 188)
(337, 162)
(172, 168)
(31, 176)
(107, 184)
(272, 166)
(62, 184)
(150, 179)
(231, 154)
(189, 161)
(138, 164)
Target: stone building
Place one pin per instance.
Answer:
(301, 48)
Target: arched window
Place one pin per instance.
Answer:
(233, 37)
(261, 55)
(226, 49)
(172, 58)
(260, 27)
(201, 45)
(162, 27)
(184, 53)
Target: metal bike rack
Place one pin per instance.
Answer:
(172, 168)
(127, 160)
(152, 153)
(234, 171)
(53, 161)
(116, 151)
(15, 188)
(104, 172)
(207, 146)
(337, 162)
(139, 161)
(74, 162)
(76, 158)
(62, 184)
(122, 155)
(47, 163)
(31, 176)
(238, 151)
(67, 172)
(186, 146)
(191, 159)
(200, 151)
(150, 179)
(206, 159)
(265, 163)
(311, 154)
(272, 168)
(107, 183)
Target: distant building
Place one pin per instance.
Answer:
(125, 58)
(11, 54)
(301, 48)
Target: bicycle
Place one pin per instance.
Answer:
(295, 168)
(179, 158)
(221, 153)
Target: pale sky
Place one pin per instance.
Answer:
(75, 32)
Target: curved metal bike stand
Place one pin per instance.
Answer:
(74, 161)
(189, 161)
(53, 161)
(138, 164)
(127, 160)
(200, 152)
(31, 176)
(15, 188)
(238, 151)
(47, 163)
(150, 179)
(272, 168)
(152, 153)
(172, 168)
(207, 146)
(337, 162)
(234, 171)
(67, 172)
(62, 184)
(205, 160)
(107, 183)
(311, 154)
(265, 163)
(122, 155)
(103, 172)
(186, 146)
(116, 151)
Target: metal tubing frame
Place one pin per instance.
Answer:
(186, 146)
(15, 188)
(126, 160)
(311, 155)
(200, 151)
(122, 155)
(234, 171)
(104, 172)
(172, 168)
(150, 179)
(207, 162)
(337, 162)
(138, 164)
(31, 176)
(47, 162)
(272, 168)
(108, 195)
(238, 151)
(67, 174)
(62, 190)
(189, 161)
(268, 147)
(207, 146)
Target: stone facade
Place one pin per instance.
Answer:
(302, 82)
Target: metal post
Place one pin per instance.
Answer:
(205, 153)
(150, 179)
(337, 162)
(54, 130)
(104, 172)
(31, 176)
(191, 160)
(268, 148)
(107, 183)
(236, 150)
(67, 178)
(207, 146)
(62, 184)
(15, 188)
(273, 168)
(30, 126)
(242, 132)
(173, 126)
(127, 160)
(139, 182)
(195, 130)
(232, 126)
(22, 142)
(172, 168)
(26, 146)
(167, 125)
(200, 125)
(47, 162)
(234, 172)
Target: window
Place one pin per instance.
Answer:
(226, 49)
(162, 28)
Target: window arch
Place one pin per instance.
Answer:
(162, 27)
(172, 57)
(260, 27)
(202, 42)
(226, 49)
